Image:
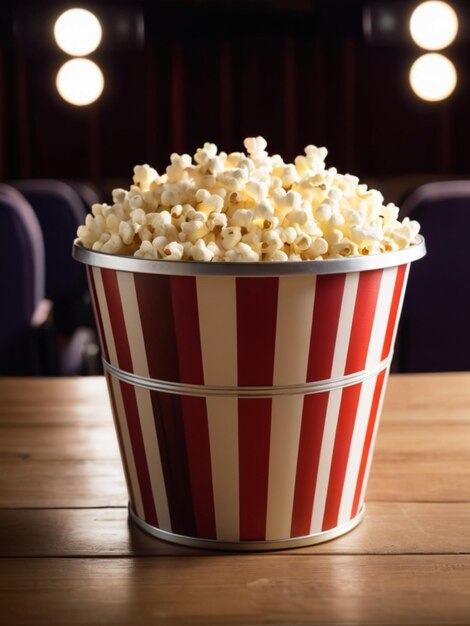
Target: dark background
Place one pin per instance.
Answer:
(296, 72)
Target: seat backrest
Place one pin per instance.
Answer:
(59, 211)
(434, 330)
(22, 265)
(88, 195)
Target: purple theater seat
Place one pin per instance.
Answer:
(28, 342)
(22, 279)
(87, 194)
(433, 334)
(60, 211)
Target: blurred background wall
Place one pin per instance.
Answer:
(178, 73)
(295, 71)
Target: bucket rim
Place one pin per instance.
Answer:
(267, 545)
(252, 269)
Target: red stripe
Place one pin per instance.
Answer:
(290, 63)
(364, 313)
(195, 472)
(177, 81)
(199, 459)
(339, 462)
(368, 442)
(327, 308)
(397, 292)
(158, 326)
(361, 329)
(94, 144)
(254, 430)
(116, 316)
(97, 312)
(311, 435)
(185, 310)
(119, 438)
(138, 449)
(391, 324)
(225, 94)
(256, 335)
(256, 329)
(169, 425)
(23, 116)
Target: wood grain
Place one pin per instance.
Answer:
(397, 441)
(428, 398)
(54, 401)
(256, 589)
(57, 443)
(26, 483)
(69, 556)
(387, 528)
(402, 470)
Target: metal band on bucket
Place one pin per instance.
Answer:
(249, 546)
(194, 268)
(247, 392)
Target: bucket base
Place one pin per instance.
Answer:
(247, 546)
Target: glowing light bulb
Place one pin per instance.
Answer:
(434, 25)
(80, 81)
(78, 32)
(433, 77)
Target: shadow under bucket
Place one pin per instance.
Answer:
(246, 396)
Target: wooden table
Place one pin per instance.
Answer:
(69, 556)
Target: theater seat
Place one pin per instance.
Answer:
(25, 313)
(29, 343)
(60, 211)
(434, 330)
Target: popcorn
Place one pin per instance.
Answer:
(242, 253)
(174, 250)
(256, 147)
(144, 176)
(201, 252)
(246, 207)
(230, 236)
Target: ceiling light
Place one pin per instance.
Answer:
(433, 77)
(77, 32)
(434, 25)
(80, 81)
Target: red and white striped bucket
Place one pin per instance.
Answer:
(246, 397)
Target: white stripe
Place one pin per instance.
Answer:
(103, 308)
(152, 454)
(133, 324)
(135, 337)
(374, 437)
(400, 306)
(222, 416)
(217, 309)
(344, 324)
(286, 421)
(293, 329)
(127, 447)
(379, 328)
(356, 449)
(324, 464)
(382, 314)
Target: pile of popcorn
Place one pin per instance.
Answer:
(246, 207)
